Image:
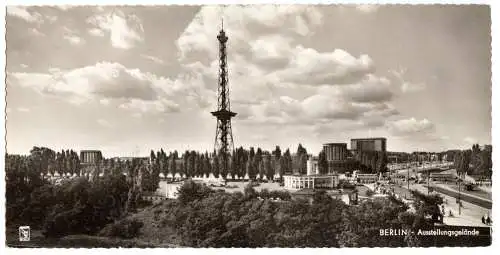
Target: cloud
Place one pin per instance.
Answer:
(412, 87)
(124, 30)
(112, 83)
(96, 32)
(23, 13)
(274, 80)
(73, 39)
(144, 106)
(37, 32)
(367, 8)
(65, 7)
(369, 89)
(318, 108)
(407, 86)
(154, 59)
(410, 127)
(307, 66)
(243, 21)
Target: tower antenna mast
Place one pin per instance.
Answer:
(223, 135)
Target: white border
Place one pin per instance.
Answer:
(495, 8)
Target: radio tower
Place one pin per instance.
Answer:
(223, 134)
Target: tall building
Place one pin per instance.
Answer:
(337, 157)
(223, 134)
(335, 151)
(368, 152)
(90, 157)
(369, 144)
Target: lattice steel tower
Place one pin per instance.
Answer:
(223, 134)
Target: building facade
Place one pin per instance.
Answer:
(337, 157)
(90, 157)
(369, 144)
(366, 178)
(312, 166)
(311, 181)
(335, 151)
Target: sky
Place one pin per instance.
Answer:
(126, 80)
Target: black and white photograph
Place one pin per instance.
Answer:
(248, 126)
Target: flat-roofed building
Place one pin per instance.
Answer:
(367, 178)
(311, 181)
(90, 156)
(369, 144)
(337, 157)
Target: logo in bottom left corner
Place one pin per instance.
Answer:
(24, 233)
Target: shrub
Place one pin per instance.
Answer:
(191, 191)
(126, 228)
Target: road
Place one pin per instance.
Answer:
(483, 202)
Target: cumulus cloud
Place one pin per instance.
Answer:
(108, 83)
(411, 126)
(308, 66)
(124, 30)
(243, 21)
(273, 80)
(23, 13)
(369, 89)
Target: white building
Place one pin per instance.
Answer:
(168, 190)
(312, 166)
(366, 178)
(310, 181)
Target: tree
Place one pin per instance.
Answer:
(216, 166)
(173, 164)
(249, 191)
(268, 169)
(191, 191)
(252, 153)
(277, 152)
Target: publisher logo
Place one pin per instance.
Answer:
(24, 233)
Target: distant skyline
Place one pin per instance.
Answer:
(127, 80)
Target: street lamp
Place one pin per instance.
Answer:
(408, 177)
(428, 180)
(459, 194)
